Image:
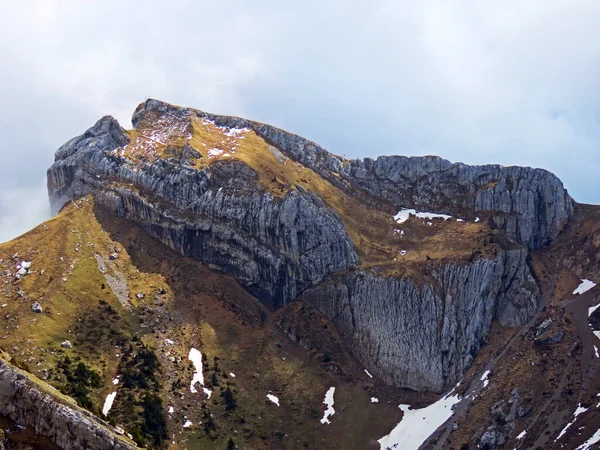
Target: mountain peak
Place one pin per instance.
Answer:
(198, 245)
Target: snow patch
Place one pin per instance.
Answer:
(273, 399)
(580, 410)
(110, 398)
(115, 381)
(521, 435)
(329, 403)
(214, 152)
(188, 423)
(169, 342)
(196, 358)
(418, 424)
(404, 214)
(236, 132)
(477, 219)
(374, 400)
(231, 374)
(367, 372)
(587, 445)
(584, 286)
(484, 378)
(207, 392)
(592, 309)
(171, 410)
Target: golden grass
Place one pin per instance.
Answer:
(212, 313)
(370, 228)
(368, 221)
(64, 248)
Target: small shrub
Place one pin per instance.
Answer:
(230, 402)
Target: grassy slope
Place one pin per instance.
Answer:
(195, 307)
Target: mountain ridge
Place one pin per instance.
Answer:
(292, 271)
(297, 226)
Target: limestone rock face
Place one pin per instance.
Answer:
(69, 427)
(421, 334)
(275, 247)
(424, 337)
(530, 205)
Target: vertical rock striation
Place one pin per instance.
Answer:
(530, 205)
(421, 334)
(423, 337)
(276, 247)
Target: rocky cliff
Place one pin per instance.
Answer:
(30, 402)
(425, 337)
(285, 217)
(275, 247)
(530, 205)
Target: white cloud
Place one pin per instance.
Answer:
(21, 209)
(474, 81)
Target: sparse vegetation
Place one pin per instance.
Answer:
(109, 340)
(231, 444)
(139, 393)
(230, 401)
(79, 380)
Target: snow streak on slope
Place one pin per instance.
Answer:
(585, 286)
(484, 378)
(196, 357)
(587, 445)
(273, 399)
(580, 410)
(404, 214)
(110, 398)
(418, 424)
(329, 402)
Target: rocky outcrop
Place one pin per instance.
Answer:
(423, 337)
(275, 247)
(68, 426)
(74, 180)
(530, 205)
(421, 334)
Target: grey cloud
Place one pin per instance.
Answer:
(510, 84)
(21, 209)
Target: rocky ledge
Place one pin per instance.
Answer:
(33, 404)
(421, 334)
(530, 205)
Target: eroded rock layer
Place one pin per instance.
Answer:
(182, 175)
(67, 425)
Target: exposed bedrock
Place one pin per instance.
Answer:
(67, 425)
(420, 334)
(424, 337)
(530, 205)
(275, 247)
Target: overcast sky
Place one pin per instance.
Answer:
(516, 83)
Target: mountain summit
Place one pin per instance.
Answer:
(215, 282)
(285, 218)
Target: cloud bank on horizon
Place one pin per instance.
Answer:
(513, 83)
